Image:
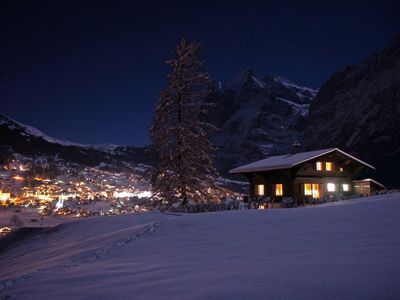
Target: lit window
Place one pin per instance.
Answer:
(259, 190)
(315, 190)
(311, 190)
(330, 187)
(341, 169)
(307, 189)
(346, 187)
(319, 166)
(279, 189)
(328, 166)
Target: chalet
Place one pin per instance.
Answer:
(308, 175)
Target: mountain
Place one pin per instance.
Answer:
(257, 117)
(28, 144)
(20, 139)
(358, 110)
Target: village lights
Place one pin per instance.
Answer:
(87, 193)
(18, 178)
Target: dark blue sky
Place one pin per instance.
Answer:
(91, 71)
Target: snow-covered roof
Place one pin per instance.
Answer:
(371, 180)
(289, 160)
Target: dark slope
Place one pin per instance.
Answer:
(358, 110)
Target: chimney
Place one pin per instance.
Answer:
(296, 147)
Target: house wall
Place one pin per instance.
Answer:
(295, 187)
(349, 168)
(366, 188)
(376, 188)
(362, 188)
(293, 179)
(299, 182)
(269, 180)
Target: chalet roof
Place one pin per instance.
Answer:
(370, 180)
(290, 160)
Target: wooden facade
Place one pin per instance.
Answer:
(367, 187)
(328, 175)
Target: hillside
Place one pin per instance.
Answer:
(342, 250)
(358, 110)
(25, 140)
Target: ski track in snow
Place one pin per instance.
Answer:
(341, 250)
(146, 230)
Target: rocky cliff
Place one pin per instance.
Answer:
(358, 110)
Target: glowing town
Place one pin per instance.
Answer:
(80, 191)
(54, 187)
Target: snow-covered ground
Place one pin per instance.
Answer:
(30, 217)
(343, 250)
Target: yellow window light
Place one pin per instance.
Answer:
(260, 190)
(279, 189)
(328, 166)
(307, 189)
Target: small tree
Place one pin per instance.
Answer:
(17, 221)
(184, 170)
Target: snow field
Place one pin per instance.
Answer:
(346, 250)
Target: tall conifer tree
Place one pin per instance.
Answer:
(184, 170)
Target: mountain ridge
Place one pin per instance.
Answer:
(249, 91)
(18, 138)
(256, 116)
(358, 110)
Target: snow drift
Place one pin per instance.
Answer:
(347, 249)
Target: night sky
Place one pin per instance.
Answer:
(91, 71)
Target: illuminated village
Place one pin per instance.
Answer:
(64, 190)
(80, 192)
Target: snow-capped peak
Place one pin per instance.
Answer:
(243, 78)
(27, 130)
(289, 84)
(269, 83)
(256, 80)
(104, 147)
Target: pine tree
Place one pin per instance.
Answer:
(184, 170)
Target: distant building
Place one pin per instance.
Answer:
(367, 186)
(308, 175)
(4, 196)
